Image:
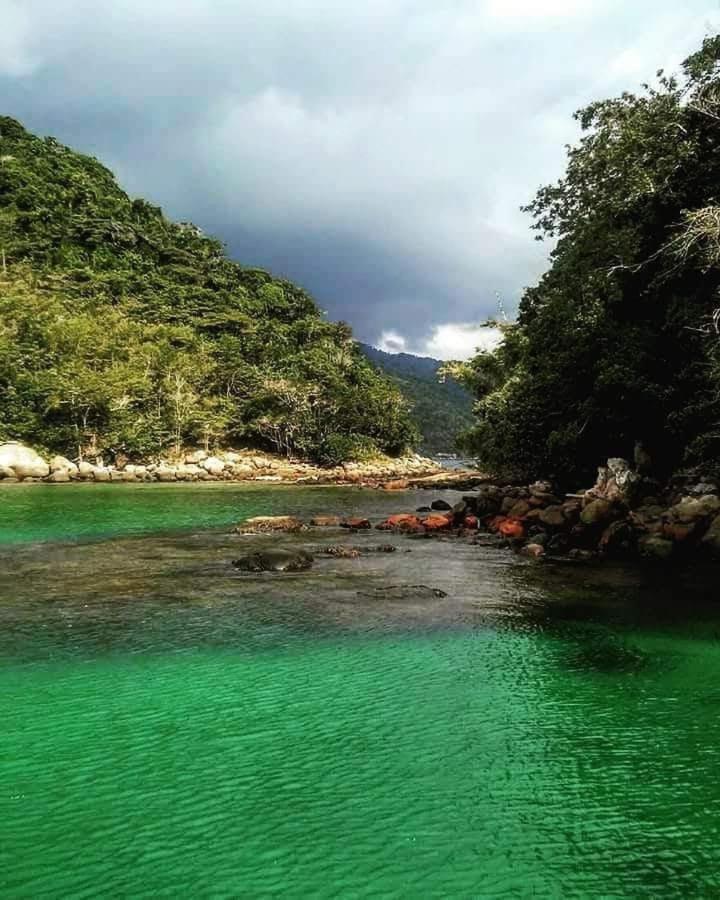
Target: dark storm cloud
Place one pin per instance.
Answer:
(375, 152)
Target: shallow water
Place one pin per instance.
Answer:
(172, 727)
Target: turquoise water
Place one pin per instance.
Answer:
(172, 728)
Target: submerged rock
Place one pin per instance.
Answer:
(275, 561)
(261, 524)
(326, 521)
(404, 592)
(441, 505)
(356, 522)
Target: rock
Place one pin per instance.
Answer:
(101, 473)
(579, 554)
(539, 488)
(213, 465)
(355, 522)
(423, 509)
(618, 540)
(437, 523)
(197, 456)
(402, 521)
(704, 487)
(85, 469)
(58, 477)
(553, 517)
(132, 469)
(471, 522)
(340, 552)
(166, 473)
(652, 546)
(275, 561)
(62, 464)
(597, 512)
(440, 505)
(404, 592)
(326, 521)
(519, 509)
(534, 550)
(511, 528)
(691, 509)
(399, 484)
(263, 524)
(24, 461)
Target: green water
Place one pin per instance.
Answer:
(172, 728)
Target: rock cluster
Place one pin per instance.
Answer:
(20, 463)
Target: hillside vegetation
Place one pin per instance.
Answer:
(125, 332)
(618, 343)
(441, 407)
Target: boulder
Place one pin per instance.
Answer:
(275, 561)
(326, 521)
(355, 522)
(652, 546)
(597, 512)
(404, 592)
(261, 524)
(553, 517)
(166, 473)
(471, 522)
(533, 550)
(213, 465)
(197, 456)
(691, 509)
(24, 461)
(511, 528)
(399, 484)
(62, 464)
(540, 488)
(519, 509)
(618, 540)
(85, 469)
(442, 505)
(437, 523)
(58, 477)
(402, 522)
(101, 473)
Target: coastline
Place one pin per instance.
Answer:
(22, 465)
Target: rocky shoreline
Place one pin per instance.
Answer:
(19, 463)
(624, 516)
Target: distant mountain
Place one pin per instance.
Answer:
(441, 409)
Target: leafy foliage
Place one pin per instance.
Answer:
(616, 343)
(123, 331)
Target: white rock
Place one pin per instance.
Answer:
(197, 456)
(24, 461)
(213, 465)
(101, 473)
(62, 464)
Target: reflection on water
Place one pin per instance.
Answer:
(174, 727)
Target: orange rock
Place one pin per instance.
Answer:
(512, 528)
(436, 523)
(471, 522)
(405, 521)
(495, 523)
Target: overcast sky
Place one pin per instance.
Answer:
(376, 152)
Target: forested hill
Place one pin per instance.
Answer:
(619, 342)
(121, 331)
(442, 409)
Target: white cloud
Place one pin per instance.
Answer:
(451, 340)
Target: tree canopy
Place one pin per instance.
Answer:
(123, 331)
(618, 342)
